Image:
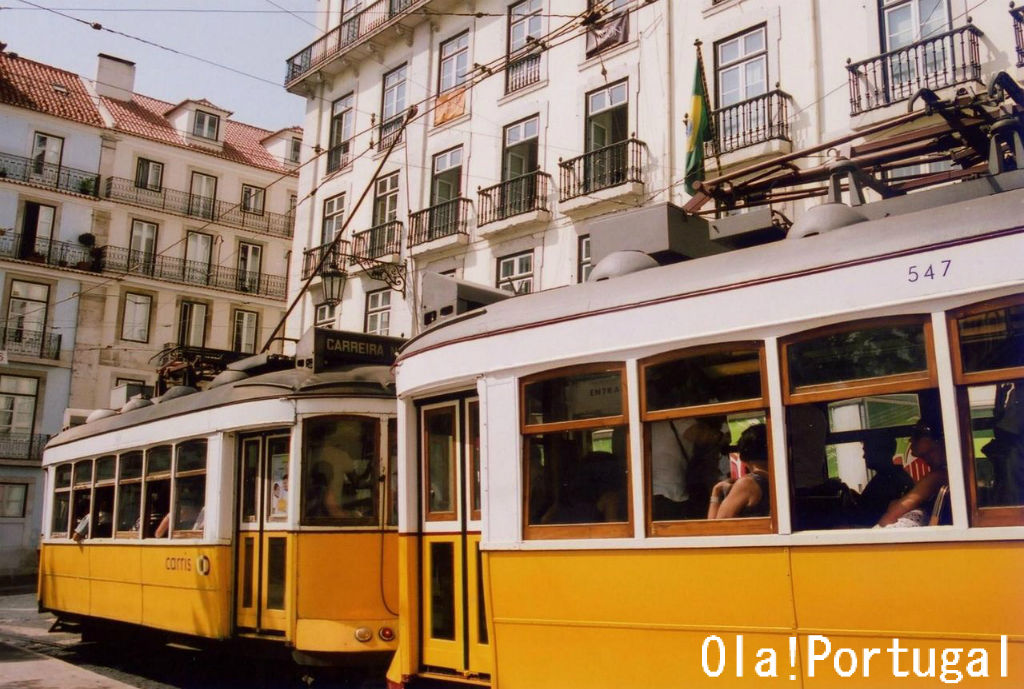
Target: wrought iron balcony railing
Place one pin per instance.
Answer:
(49, 251)
(338, 156)
(440, 220)
(352, 30)
(377, 241)
(29, 342)
(194, 206)
(337, 257)
(59, 177)
(167, 268)
(520, 72)
(22, 445)
(1018, 32)
(602, 168)
(389, 131)
(523, 194)
(946, 59)
(753, 121)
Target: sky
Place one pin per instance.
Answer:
(251, 36)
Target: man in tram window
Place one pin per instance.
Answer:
(890, 482)
(685, 465)
(914, 508)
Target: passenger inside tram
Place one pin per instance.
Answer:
(890, 481)
(916, 507)
(686, 464)
(749, 495)
(573, 483)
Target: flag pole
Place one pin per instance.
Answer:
(707, 94)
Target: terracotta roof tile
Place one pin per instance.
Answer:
(33, 85)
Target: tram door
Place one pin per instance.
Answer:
(262, 556)
(454, 629)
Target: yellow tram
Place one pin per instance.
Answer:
(260, 508)
(545, 540)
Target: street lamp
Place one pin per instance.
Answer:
(334, 284)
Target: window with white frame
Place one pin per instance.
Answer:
(149, 174)
(243, 336)
(295, 150)
(340, 143)
(524, 22)
(135, 323)
(334, 218)
(252, 199)
(385, 199)
(515, 273)
(454, 62)
(192, 324)
(909, 21)
(142, 247)
(37, 230)
(206, 125)
(392, 105)
(742, 67)
(378, 312)
(47, 151)
(250, 266)
(326, 315)
(12, 499)
(26, 318)
(17, 405)
(583, 266)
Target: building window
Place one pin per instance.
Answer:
(295, 150)
(250, 266)
(252, 199)
(909, 21)
(583, 259)
(378, 312)
(26, 318)
(575, 440)
(741, 74)
(17, 407)
(192, 324)
(202, 195)
(525, 24)
(446, 184)
(326, 315)
(454, 62)
(37, 231)
(515, 273)
(198, 257)
(342, 118)
(135, 323)
(149, 175)
(142, 247)
(392, 106)
(46, 155)
(385, 199)
(206, 125)
(13, 497)
(243, 338)
(607, 116)
(334, 218)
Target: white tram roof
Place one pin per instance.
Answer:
(350, 381)
(944, 216)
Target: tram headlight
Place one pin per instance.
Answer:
(364, 634)
(386, 634)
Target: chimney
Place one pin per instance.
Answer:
(115, 78)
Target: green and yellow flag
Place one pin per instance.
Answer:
(698, 129)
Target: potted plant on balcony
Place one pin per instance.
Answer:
(87, 187)
(88, 239)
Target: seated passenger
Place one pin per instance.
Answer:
(890, 482)
(749, 495)
(913, 508)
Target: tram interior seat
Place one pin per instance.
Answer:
(828, 505)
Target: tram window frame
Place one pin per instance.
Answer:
(391, 490)
(739, 409)
(614, 422)
(104, 492)
(81, 508)
(124, 480)
(982, 515)
(373, 472)
(62, 479)
(151, 521)
(829, 503)
(179, 493)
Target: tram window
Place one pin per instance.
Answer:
(392, 472)
(61, 501)
(340, 470)
(851, 413)
(989, 370)
(250, 479)
(190, 488)
(157, 501)
(103, 498)
(81, 497)
(277, 500)
(576, 460)
(439, 446)
(473, 431)
(695, 405)
(129, 495)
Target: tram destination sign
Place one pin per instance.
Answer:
(326, 349)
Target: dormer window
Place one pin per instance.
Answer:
(206, 125)
(295, 150)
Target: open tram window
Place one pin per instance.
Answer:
(61, 500)
(857, 397)
(340, 471)
(157, 487)
(576, 461)
(81, 498)
(697, 405)
(392, 491)
(103, 498)
(189, 517)
(129, 495)
(988, 368)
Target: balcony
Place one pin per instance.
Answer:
(520, 72)
(605, 174)
(946, 59)
(521, 200)
(380, 243)
(192, 206)
(24, 446)
(755, 121)
(1018, 32)
(49, 252)
(389, 131)
(354, 31)
(168, 269)
(338, 156)
(18, 169)
(38, 344)
(337, 255)
(440, 226)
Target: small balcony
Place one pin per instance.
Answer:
(34, 171)
(380, 243)
(337, 255)
(338, 156)
(49, 252)
(755, 121)
(22, 446)
(190, 205)
(389, 131)
(440, 226)
(521, 200)
(1018, 32)
(521, 72)
(619, 165)
(169, 269)
(946, 59)
(39, 344)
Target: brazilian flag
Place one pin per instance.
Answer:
(698, 130)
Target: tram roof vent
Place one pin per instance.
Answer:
(621, 263)
(97, 414)
(833, 213)
(225, 377)
(176, 392)
(137, 402)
